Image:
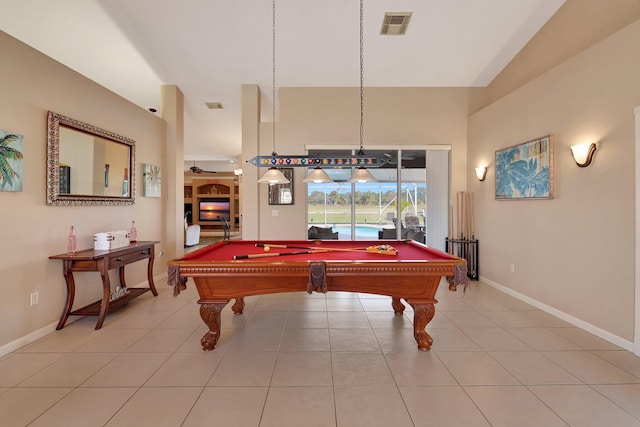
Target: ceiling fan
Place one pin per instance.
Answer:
(197, 170)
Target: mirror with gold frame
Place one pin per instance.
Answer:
(87, 165)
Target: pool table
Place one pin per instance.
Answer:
(236, 269)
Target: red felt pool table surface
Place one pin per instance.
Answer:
(329, 265)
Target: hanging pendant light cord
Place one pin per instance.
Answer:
(361, 152)
(273, 79)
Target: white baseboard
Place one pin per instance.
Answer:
(605, 335)
(36, 335)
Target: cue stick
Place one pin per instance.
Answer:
(272, 254)
(313, 249)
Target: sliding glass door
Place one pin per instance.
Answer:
(394, 207)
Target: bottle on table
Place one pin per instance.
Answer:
(71, 244)
(133, 233)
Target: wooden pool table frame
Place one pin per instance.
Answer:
(415, 281)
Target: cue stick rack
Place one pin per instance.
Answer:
(461, 241)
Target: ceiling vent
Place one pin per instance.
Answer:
(395, 23)
(214, 105)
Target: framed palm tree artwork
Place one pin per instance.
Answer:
(11, 167)
(525, 171)
(152, 183)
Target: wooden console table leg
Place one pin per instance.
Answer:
(398, 306)
(152, 286)
(210, 314)
(422, 315)
(71, 293)
(106, 292)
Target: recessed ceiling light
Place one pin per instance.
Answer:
(395, 23)
(214, 105)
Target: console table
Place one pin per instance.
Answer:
(102, 261)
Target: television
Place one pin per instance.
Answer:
(212, 209)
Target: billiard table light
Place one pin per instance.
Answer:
(317, 176)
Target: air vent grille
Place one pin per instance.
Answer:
(214, 105)
(395, 23)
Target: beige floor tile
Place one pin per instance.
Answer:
(389, 320)
(20, 406)
(348, 319)
(113, 340)
(228, 406)
(266, 320)
(469, 319)
(475, 368)
(255, 339)
(509, 319)
(418, 368)
(360, 369)
(373, 406)
(86, 407)
(626, 396)
(495, 339)
(274, 304)
(542, 339)
(344, 304)
(441, 407)
(341, 295)
(17, 367)
(509, 406)
(531, 368)
(309, 305)
(127, 370)
(622, 359)
(440, 320)
(453, 304)
(307, 368)
(358, 340)
(299, 406)
(69, 371)
(391, 340)
(65, 340)
(584, 339)
(589, 368)
(245, 369)
(373, 304)
(192, 343)
(160, 341)
(156, 406)
(183, 319)
(138, 319)
(311, 319)
(305, 340)
(186, 369)
(305, 295)
(580, 405)
(451, 340)
(545, 319)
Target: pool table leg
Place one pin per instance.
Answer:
(210, 314)
(398, 306)
(422, 315)
(238, 307)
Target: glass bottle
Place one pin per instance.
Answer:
(71, 244)
(133, 233)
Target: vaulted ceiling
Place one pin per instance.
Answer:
(209, 48)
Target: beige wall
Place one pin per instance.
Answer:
(31, 84)
(574, 253)
(331, 116)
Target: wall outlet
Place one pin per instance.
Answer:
(161, 253)
(35, 298)
(275, 212)
(512, 267)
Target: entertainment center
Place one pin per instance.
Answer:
(209, 200)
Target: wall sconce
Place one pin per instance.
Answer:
(583, 153)
(481, 172)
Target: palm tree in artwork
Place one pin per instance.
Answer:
(7, 174)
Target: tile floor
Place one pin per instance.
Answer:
(322, 360)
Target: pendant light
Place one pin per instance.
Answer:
(317, 176)
(273, 175)
(361, 174)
